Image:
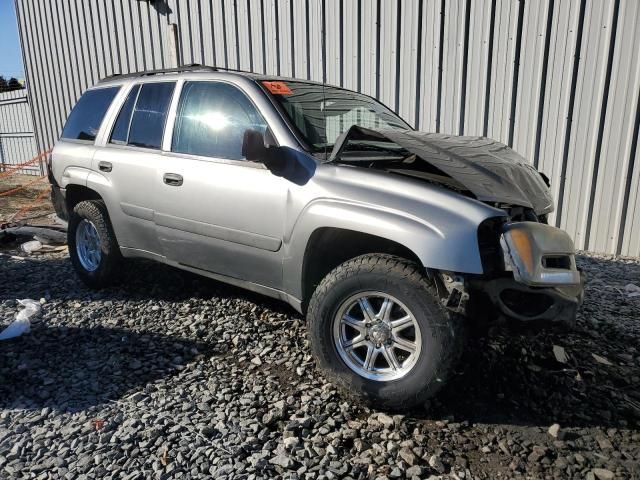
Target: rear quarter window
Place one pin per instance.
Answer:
(85, 118)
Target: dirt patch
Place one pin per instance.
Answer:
(29, 201)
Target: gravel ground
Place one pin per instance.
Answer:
(176, 376)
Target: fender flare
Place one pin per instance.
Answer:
(454, 247)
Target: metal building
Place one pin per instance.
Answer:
(558, 80)
(17, 143)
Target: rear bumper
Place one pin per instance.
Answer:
(58, 197)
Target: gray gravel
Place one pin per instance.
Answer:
(175, 376)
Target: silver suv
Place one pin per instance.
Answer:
(391, 241)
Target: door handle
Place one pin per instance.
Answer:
(172, 179)
(105, 166)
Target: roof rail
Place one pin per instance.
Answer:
(194, 67)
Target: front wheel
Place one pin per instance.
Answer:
(380, 332)
(93, 248)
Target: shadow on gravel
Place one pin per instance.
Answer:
(141, 280)
(69, 369)
(510, 376)
(504, 377)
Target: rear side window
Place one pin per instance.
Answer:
(120, 132)
(85, 118)
(150, 114)
(212, 118)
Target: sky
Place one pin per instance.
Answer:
(11, 56)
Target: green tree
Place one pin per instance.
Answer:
(14, 84)
(3, 84)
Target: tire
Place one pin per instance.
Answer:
(440, 331)
(108, 257)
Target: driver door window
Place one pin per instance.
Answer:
(211, 120)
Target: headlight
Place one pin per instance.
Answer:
(539, 255)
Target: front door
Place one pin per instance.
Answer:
(215, 211)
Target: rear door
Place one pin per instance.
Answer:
(217, 211)
(128, 162)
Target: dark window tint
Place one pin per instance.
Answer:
(85, 118)
(120, 133)
(149, 114)
(212, 118)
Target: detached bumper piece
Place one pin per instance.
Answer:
(546, 284)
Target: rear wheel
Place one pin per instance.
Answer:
(93, 248)
(380, 332)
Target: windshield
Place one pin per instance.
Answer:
(321, 114)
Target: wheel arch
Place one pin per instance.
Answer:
(329, 247)
(327, 229)
(79, 193)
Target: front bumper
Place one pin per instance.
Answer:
(541, 281)
(557, 304)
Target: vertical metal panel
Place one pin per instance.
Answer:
(315, 27)
(559, 79)
(618, 132)
(631, 239)
(454, 17)
(429, 65)
(17, 142)
(369, 54)
(530, 81)
(245, 32)
(388, 57)
(334, 32)
(502, 69)
(563, 44)
(589, 102)
(271, 40)
(351, 28)
(407, 58)
(477, 71)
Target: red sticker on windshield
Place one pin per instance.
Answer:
(277, 88)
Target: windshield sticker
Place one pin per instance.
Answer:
(278, 88)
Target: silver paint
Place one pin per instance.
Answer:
(236, 221)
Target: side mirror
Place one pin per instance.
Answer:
(282, 161)
(256, 145)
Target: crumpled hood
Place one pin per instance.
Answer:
(490, 170)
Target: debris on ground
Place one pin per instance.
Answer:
(560, 354)
(601, 359)
(22, 322)
(632, 290)
(31, 246)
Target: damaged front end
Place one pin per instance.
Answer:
(531, 273)
(529, 267)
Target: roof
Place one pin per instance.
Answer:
(197, 68)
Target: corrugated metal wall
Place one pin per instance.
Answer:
(17, 142)
(559, 80)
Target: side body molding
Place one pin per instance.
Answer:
(449, 246)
